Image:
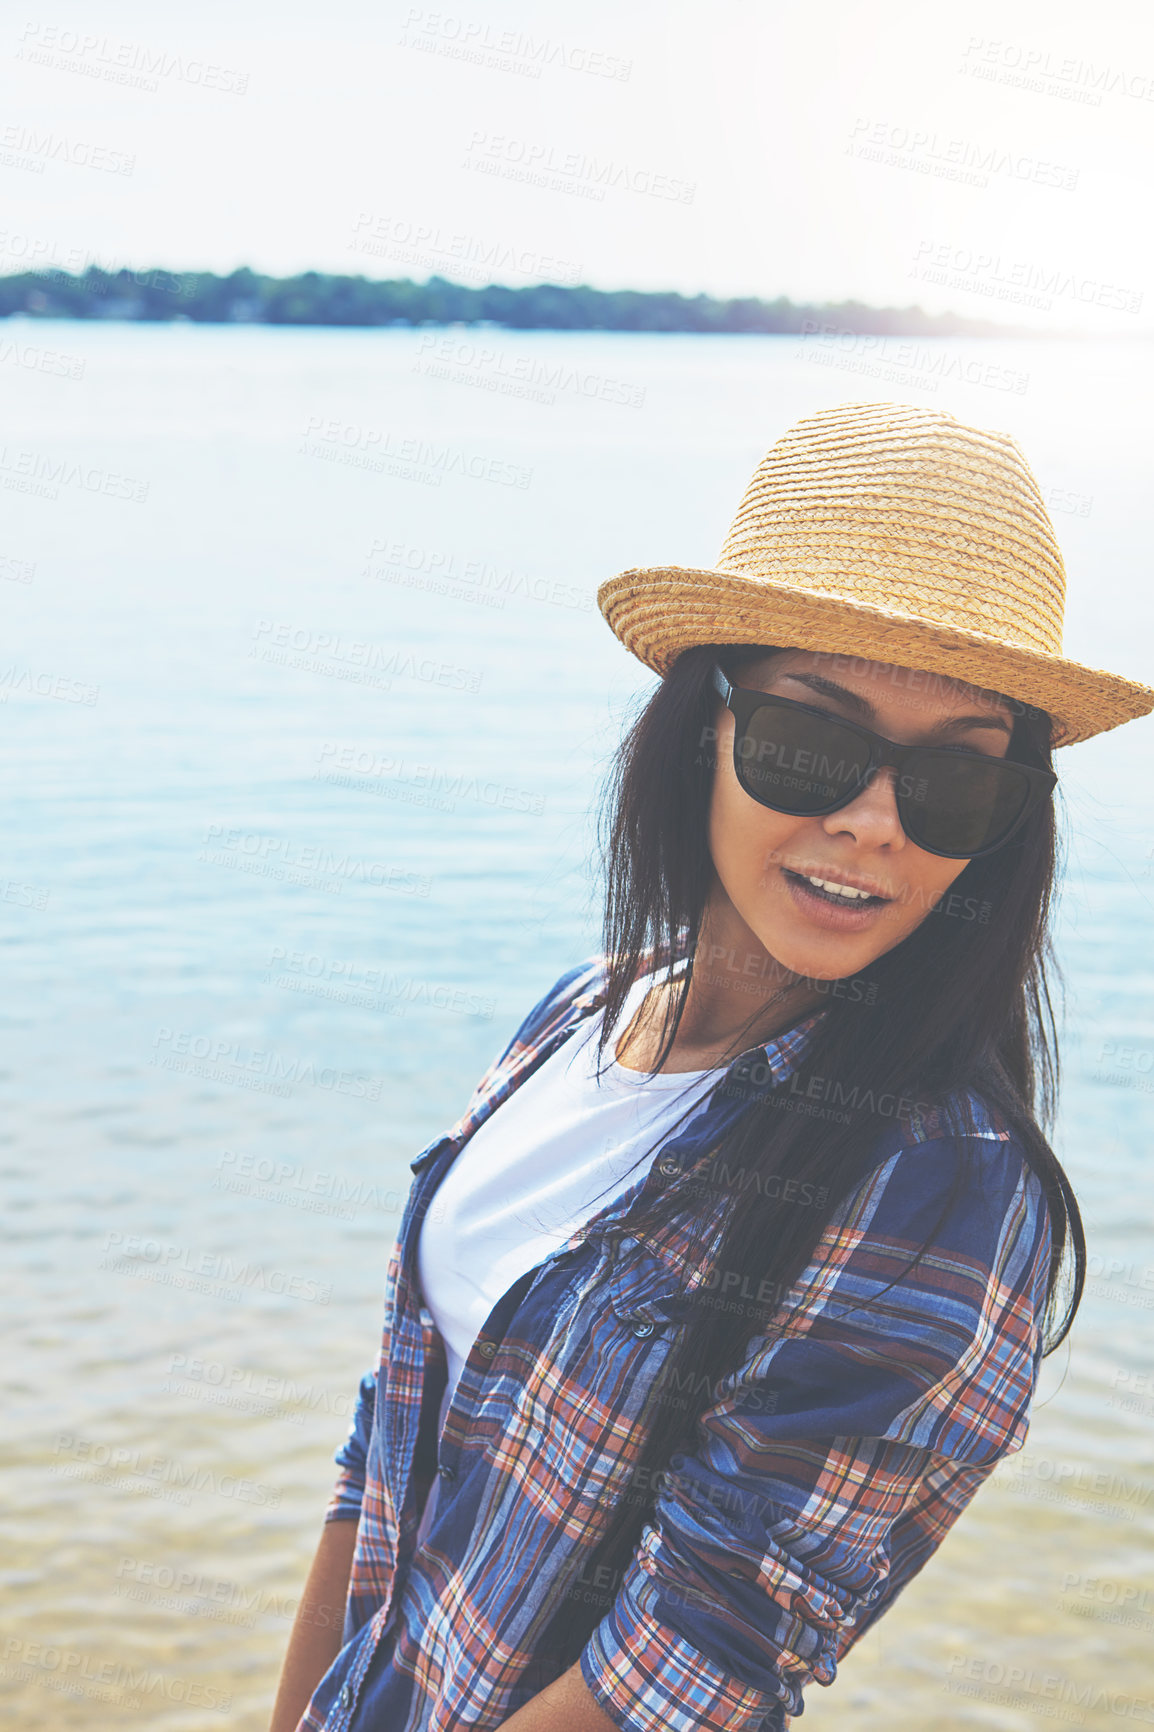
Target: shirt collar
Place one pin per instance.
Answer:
(758, 1069)
(782, 1053)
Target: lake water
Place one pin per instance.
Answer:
(272, 900)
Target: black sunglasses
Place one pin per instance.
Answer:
(794, 758)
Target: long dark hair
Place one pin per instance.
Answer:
(962, 1003)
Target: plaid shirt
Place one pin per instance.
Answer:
(828, 1467)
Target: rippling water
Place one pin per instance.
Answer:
(306, 702)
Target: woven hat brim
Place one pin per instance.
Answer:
(658, 611)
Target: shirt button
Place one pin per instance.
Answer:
(488, 1348)
(445, 1472)
(668, 1165)
(641, 1326)
(347, 1696)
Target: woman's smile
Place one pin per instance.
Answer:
(844, 910)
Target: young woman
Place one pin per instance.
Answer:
(694, 1351)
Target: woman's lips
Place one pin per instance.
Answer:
(852, 917)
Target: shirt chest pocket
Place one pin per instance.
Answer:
(626, 1326)
(641, 1294)
(578, 1418)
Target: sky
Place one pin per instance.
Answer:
(995, 161)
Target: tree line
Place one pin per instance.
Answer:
(318, 298)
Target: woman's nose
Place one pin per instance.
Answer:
(871, 817)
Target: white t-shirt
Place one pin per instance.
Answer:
(556, 1152)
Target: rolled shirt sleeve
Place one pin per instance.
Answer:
(770, 1547)
(345, 1503)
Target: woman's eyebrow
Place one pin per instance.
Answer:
(854, 701)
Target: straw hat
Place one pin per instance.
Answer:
(895, 533)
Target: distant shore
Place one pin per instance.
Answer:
(317, 298)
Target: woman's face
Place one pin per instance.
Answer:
(762, 858)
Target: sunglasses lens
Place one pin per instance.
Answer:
(952, 803)
(797, 763)
(960, 805)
